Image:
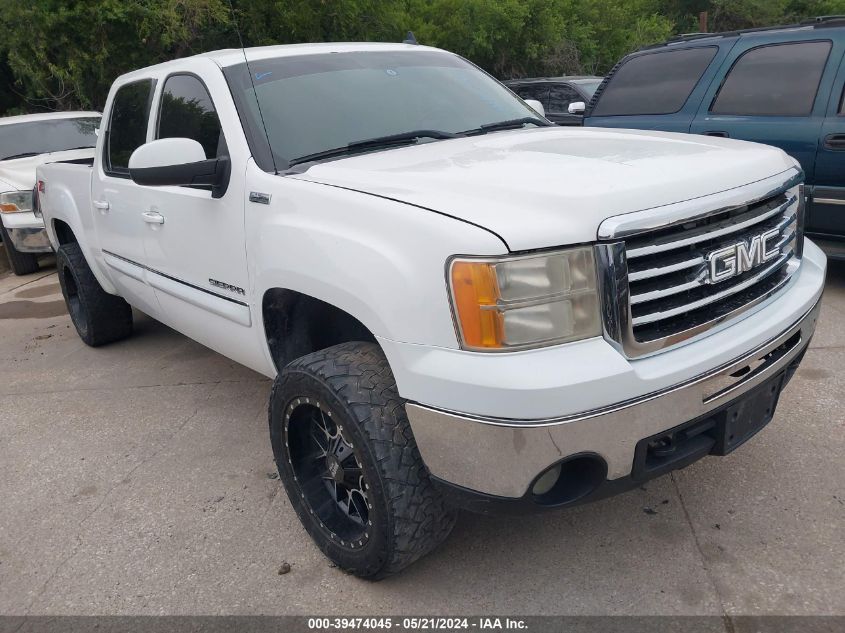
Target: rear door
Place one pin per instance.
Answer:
(772, 93)
(826, 212)
(117, 200)
(658, 89)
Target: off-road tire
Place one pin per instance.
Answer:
(407, 516)
(99, 317)
(21, 263)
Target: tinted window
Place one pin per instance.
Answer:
(538, 92)
(18, 140)
(560, 96)
(128, 125)
(777, 80)
(312, 103)
(654, 83)
(187, 111)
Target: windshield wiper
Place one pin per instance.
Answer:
(391, 140)
(510, 124)
(24, 155)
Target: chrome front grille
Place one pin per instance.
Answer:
(663, 278)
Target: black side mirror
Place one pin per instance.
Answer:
(179, 162)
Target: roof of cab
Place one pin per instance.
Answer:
(231, 56)
(46, 116)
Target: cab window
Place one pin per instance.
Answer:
(128, 125)
(187, 111)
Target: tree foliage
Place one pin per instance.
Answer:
(64, 54)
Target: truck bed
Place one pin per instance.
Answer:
(76, 161)
(67, 187)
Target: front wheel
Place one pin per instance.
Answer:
(349, 462)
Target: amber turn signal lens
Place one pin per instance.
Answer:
(476, 293)
(520, 302)
(15, 201)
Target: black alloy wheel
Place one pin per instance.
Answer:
(349, 462)
(328, 472)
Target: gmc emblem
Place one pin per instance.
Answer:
(741, 257)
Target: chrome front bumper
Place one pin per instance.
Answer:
(30, 240)
(503, 458)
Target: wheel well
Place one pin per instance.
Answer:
(296, 324)
(64, 234)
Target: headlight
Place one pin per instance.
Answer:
(15, 202)
(522, 302)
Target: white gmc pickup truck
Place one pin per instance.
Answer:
(461, 305)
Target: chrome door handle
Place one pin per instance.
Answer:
(153, 217)
(102, 205)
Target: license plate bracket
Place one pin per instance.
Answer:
(718, 433)
(745, 417)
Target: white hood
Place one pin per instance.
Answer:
(553, 186)
(19, 174)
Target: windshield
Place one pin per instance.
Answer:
(588, 86)
(314, 103)
(18, 140)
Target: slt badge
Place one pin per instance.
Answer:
(741, 257)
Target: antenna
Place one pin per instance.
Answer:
(252, 82)
(409, 38)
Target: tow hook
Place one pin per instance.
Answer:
(663, 446)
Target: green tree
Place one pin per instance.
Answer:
(506, 37)
(265, 22)
(62, 54)
(66, 54)
(726, 15)
(611, 29)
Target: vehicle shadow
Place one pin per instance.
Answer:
(835, 274)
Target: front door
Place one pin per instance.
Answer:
(118, 202)
(195, 242)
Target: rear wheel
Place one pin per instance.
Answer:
(99, 317)
(349, 462)
(21, 263)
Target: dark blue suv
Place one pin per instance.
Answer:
(781, 86)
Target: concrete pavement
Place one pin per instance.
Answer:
(138, 479)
